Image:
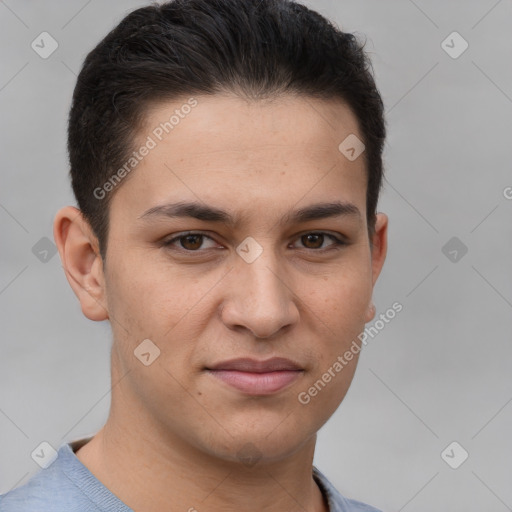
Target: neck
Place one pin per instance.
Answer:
(148, 469)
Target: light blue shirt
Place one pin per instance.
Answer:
(66, 485)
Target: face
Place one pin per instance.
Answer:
(271, 260)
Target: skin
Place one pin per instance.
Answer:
(174, 432)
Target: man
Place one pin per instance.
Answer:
(226, 160)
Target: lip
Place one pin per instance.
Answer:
(254, 377)
(246, 364)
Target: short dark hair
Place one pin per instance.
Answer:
(255, 49)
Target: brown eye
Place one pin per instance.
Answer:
(313, 240)
(191, 242)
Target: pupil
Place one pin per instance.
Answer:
(187, 238)
(318, 237)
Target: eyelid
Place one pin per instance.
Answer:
(175, 238)
(338, 240)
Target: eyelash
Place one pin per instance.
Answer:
(338, 243)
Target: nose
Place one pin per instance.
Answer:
(259, 297)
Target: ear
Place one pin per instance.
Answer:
(379, 248)
(81, 260)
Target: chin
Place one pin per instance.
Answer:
(257, 446)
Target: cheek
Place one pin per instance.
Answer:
(141, 292)
(340, 306)
(343, 299)
(168, 308)
(326, 388)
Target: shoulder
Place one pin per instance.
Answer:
(49, 490)
(337, 502)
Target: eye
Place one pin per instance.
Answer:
(190, 242)
(315, 240)
(193, 241)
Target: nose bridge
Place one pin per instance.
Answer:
(264, 279)
(261, 300)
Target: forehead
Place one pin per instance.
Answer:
(316, 124)
(228, 148)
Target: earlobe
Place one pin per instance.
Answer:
(82, 263)
(370, 313)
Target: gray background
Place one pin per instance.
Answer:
(439, 372)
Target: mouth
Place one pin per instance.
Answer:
(254, 377)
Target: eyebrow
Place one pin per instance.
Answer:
(212, 214)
